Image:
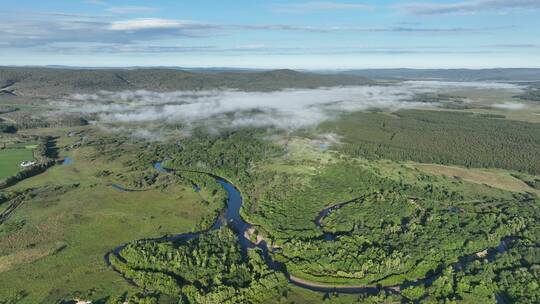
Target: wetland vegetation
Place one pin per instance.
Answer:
(431, 204)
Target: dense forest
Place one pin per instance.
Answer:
(442, 137)
(532, 94)
(380, 237)
(207, 269)
(21, 120)
(512, 276)
(231, 154)
(512, 74)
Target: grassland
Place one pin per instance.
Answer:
(64, 239)
(57, 239)
(500, 179)
(10, 160)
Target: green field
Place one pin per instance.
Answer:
(10, 160)
(65, 237)
(58, 237)
(500, 179)
(24, 145)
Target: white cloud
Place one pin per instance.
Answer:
(470, 7)
(288, 109)
(131, 9)
(96, 2)
(510, 106)
(80, 33)
(319, 6)
(148, 23)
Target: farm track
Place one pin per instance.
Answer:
(15, 203)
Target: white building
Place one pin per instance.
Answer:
(26, 164)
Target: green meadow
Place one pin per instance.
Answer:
(72, 218)
(10, 160)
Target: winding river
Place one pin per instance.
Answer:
(231, 215)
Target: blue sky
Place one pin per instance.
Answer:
(272, 34)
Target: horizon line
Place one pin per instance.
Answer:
(59, 66)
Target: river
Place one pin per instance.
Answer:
(231, 215)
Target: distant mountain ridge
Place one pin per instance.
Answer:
(46, 82)
(502, 74)
(60, 81)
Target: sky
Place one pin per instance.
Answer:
(272, 33)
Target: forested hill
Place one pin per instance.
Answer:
(56, 82)
(451, 74)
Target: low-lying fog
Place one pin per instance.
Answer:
(288, 109)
